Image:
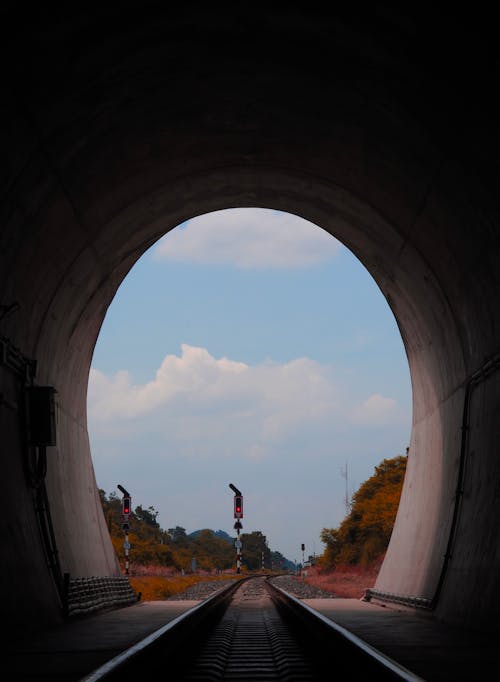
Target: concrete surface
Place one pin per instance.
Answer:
(71, 652)
(434, 651)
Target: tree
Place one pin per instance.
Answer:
(153, 546)
(254, 545)
(365, 533)
(178, 535)
(147, 516)
(220, 552)
(280, 563)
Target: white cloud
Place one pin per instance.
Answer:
(201, 378)
(196, 374)
(198, 404)
(200, 396)
(248, 238)
(376, 410)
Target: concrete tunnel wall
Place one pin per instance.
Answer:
(118, 128)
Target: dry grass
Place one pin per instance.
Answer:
(156, 584)
(345, 581)
(159, 587)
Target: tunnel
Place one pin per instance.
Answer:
(377, 124)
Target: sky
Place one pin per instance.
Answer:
(247, 346)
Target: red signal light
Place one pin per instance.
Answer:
(238, 506)
(126, 505)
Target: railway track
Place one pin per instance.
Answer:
(248, 632)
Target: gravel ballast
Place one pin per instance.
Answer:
(300, 589)
(201, 590)
(294, 585)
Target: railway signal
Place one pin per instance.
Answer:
(238, 514)
(126, 511)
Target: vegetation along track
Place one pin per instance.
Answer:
(251, 631)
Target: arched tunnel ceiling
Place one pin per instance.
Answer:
(379, 127)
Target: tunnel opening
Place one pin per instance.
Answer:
(231, 327)
(414, 563)
(392, 266)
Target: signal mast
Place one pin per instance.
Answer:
(238, 515)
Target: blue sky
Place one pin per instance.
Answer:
(247, 346)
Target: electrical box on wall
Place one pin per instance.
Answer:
(41, 412)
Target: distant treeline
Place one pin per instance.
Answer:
(205, 550)
(364, 534)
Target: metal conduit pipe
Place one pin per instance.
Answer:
(488, 368)
(35, 456)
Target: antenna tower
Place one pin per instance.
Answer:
(344, 474)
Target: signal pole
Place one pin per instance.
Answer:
(238, 514)
(126, 511)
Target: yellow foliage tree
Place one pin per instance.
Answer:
(365, 533)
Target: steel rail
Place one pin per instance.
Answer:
(168, 641)
(327, 637)
(331, 649)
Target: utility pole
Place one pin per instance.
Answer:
(238, 515)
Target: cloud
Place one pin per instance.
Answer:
(201, 396)
(376, 410)
(248, 238)
(201, 405)
(195, 375)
